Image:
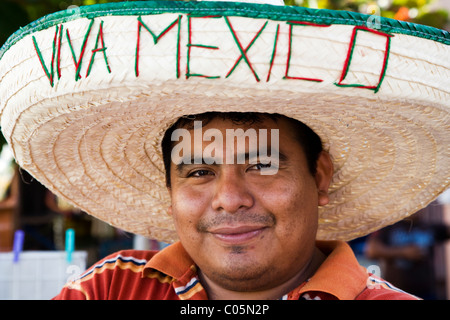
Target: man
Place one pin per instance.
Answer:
(254, 138)
(244, 234)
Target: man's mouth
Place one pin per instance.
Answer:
(237, 234)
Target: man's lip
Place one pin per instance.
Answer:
(237, 234)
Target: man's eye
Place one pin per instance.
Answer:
(260, 166)
(200, 173)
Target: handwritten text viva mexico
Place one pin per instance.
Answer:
(98, 45)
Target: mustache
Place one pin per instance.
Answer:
(230, 219)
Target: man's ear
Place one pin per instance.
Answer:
(323, 177)
(169, 210)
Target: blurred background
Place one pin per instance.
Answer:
(413, 254)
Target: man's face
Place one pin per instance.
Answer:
(245, 230)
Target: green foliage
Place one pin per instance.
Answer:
(12, 17)
(417, 11)
(436, 19)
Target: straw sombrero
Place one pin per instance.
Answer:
(86, 95)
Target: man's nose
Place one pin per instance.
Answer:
(231, 192)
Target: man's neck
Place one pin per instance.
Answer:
(216, 292)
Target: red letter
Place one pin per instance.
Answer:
(291, 26)
(155, 40)
(243, 51)
(97, 49)
(197, 45)
(347, 62)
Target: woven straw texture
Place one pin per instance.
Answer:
(85, 101)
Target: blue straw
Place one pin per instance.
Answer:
(70, 244)
(19, 236)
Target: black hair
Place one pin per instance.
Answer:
(307, 138)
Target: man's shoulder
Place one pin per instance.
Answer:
(380, 289)
(132, 260)
(117, 276)
(137, 256)
(121, 259)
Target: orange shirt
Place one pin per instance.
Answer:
(172, 275)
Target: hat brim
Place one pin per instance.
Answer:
(86, 97)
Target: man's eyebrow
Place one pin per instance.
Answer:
(193, 161)
(180, 167)
(282, 157)
(211, 160)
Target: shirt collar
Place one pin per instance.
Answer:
(172, 261)
(339, 275)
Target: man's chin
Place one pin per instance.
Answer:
(240, 271)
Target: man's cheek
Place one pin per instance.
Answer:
(184, 223)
